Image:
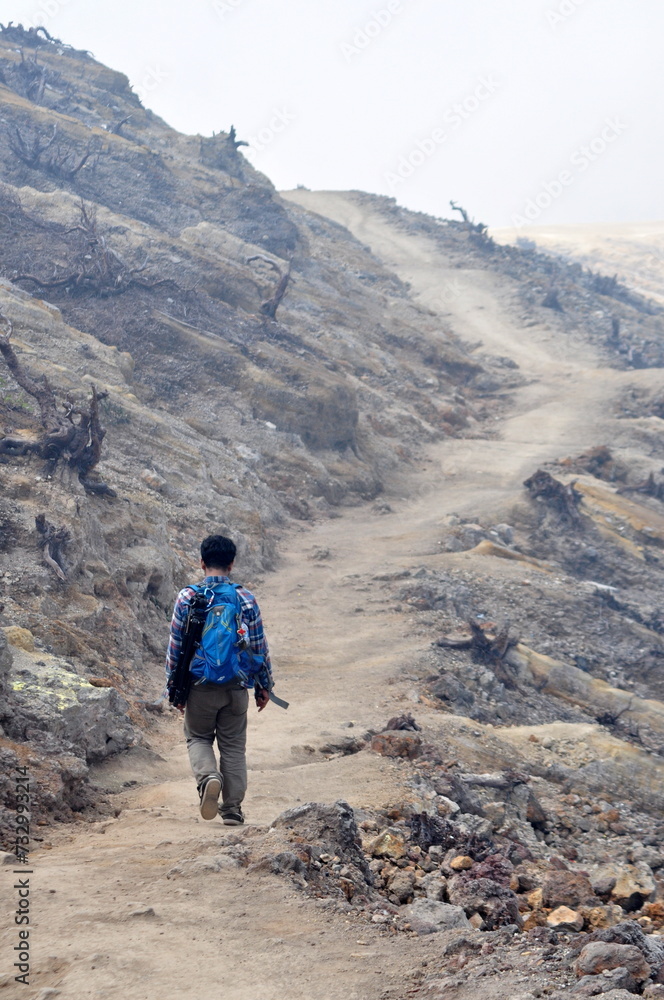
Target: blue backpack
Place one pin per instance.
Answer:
(223, 654)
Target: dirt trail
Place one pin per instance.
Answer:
(335, 643)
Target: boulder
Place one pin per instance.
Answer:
(388, 844)
(400, 886)
(435, 886)
(628, 932)
(565, 888)
(21, 638)
(461, 863)
(331, 827)
(495, 903)
(427, 913)
(597, 917)
(51, 702)
(397, 744)
(565, 919)
(600, 955)
(610, 979)
(634, 886)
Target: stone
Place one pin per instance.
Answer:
(20, 638)
(147, 912)
(604, 879)
(653, 991)
(597, 917)
(610, 979)
(535, 899)
(446, 807)
(565, 888)
(435, 886)
(49, 697)
(634, 886)
(656, 913)
(154, 481)
(628, 932)
(565, 919)
(330, 827)
(400, 886)
(397, 744)
(461, 863)
(497, 904)
(388, 844)
(442, 916)
(600, 955)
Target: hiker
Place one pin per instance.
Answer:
(216, 705)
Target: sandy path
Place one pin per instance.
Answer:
(250, 936)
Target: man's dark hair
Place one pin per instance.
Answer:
(218, 551)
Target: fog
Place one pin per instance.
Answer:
(540, 111)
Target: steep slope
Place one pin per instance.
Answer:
(376, 567)
(143, 263)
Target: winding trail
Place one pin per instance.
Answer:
(247, 936)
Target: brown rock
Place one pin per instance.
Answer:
(565, 919)
(565, 888)
(634, 887)
(535, 919)
(597, 917)
(599, 955)
(461, 863)
(656, 913)
(21, 638)
(387, 845)
(535, 899)
(397, 744)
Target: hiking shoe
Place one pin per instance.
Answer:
(234, 817)
(209, 794)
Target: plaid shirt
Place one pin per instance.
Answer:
(251, 616)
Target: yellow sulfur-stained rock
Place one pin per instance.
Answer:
(387, 845)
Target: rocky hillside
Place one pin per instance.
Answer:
(146, 267)
(451, 446)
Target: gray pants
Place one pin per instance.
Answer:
(219, 711)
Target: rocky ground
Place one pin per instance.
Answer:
(442, 461)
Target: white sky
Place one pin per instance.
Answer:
(329, 108)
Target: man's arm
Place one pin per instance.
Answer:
(178, 622)
(251, 614)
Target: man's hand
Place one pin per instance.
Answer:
(262, 698)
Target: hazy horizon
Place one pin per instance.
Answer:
(543, 114)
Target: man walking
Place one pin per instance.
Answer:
(219, 710)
